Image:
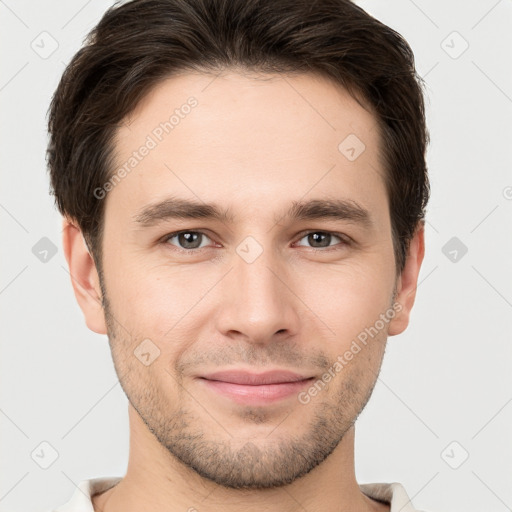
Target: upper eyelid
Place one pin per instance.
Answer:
(302, 234)
(168, 236)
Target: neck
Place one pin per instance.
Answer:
(156, 480)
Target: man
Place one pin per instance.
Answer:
(243, 185)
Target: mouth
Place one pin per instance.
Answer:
(248, 388)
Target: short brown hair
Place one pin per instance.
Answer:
(140, 43)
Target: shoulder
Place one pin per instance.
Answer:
(392, 493)
(81, 500)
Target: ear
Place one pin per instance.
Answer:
(408, 282)
(84, 277)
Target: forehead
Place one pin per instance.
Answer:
(248, 139)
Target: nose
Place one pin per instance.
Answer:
(258, 303)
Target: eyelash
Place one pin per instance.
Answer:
(345, 240)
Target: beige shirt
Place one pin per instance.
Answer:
(391, 493)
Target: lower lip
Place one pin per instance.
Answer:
(256, 395)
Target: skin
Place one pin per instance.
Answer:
(254, 146)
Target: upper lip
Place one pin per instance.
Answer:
(255, 379)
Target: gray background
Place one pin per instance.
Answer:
(445, 391)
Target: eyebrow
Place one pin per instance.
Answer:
(178, 208)
(314, 209)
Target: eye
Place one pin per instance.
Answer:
(323, 239)
(189, 241)
(186, 240)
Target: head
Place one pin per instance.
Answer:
(298, 132)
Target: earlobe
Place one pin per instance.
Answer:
(408, 282)
(84, 277)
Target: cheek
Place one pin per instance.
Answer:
(347, 298)
(157, 296)
(169, 306)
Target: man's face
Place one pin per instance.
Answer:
(256, 291)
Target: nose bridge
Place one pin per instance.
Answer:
(258, 304)
(258, 282)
